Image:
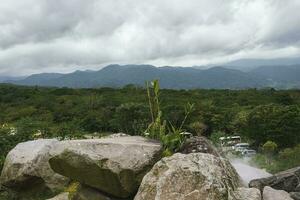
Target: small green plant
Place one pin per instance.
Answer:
(157, 128)
(72, 189)
(170, 136)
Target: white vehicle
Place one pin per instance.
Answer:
(186, 134)
(249, 152)
(240, 147)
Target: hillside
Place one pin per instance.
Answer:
(170, 77)
(282, 77)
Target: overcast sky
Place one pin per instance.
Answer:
(65, 35)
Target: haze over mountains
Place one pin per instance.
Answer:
(282, 77)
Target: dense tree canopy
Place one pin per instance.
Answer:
(257, 115)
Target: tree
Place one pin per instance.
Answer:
(277, 123)
(69, 130)
(93, 122)
(130, 118)
(269, 149)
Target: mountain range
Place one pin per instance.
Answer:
(250, 64)
(282, 77)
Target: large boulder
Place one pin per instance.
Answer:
(246, 194)
(198, 144)
(114, 166)
(26, 168)
(272, 194)
(287, 180)
(192, 176)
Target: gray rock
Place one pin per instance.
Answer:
(246, 194)
(295, 195)
(272, 194)
(87, 193)
(26, 168)
(192, 176)
(287, 180)
(198, 144)
(62, 196)
(115, 166)
(298, 188)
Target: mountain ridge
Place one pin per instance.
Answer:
(217, 77)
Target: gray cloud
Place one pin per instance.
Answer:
(56, 35)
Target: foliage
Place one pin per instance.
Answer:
(256, 115)
(199, 128)
(130, 118)
(72, 189)
(215, 137)
(269, 148)
(157, 129)
(273, 122)
(286, 159)
(170, 136)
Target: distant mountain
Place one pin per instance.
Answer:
(4, 79)
(280, 76)
(38, 79)
(170, 77)
(249, 64)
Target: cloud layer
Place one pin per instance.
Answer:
(57, 35)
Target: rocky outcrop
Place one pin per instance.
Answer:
(189, 176)
(287, 180)
(272, 194)
(198, 144)
(26, 168)
(114, 166)
(246, 194)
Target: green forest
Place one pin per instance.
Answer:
(261, 117)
